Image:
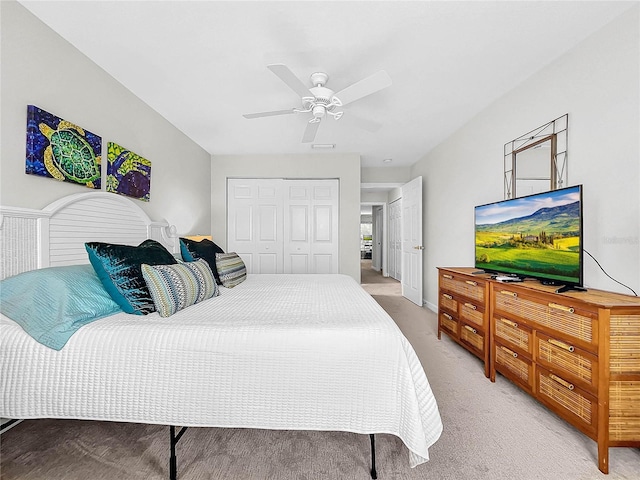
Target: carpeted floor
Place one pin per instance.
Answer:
(491, 431)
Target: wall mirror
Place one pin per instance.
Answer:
(537, 161)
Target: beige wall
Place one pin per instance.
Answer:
(344, 167)
(40, 68)
(386, 174)
(597, 83)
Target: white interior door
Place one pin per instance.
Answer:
(311, 226)
(412, 247)
(255, 223)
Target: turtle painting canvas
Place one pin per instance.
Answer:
(128, 173)
(62, 150)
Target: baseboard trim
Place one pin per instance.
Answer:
(430, 306)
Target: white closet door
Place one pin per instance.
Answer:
(254, 209)
(311, 226)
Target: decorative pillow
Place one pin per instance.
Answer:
(174, 287)
(118, 267)
(205, 249)
(51, 304)
(231, 268)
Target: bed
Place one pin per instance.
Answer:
(294, 352)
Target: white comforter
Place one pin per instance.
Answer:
(303, 352)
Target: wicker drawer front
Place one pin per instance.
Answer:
(449, 323)
(515, 334)
(447, 301)
(471, 336)
(562, 318)
(468, 288)
(470, 312)
(572, 363)
(624, 411)
(518, 366)
(625, 341)
(574, 404)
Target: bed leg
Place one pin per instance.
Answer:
(173, 441)
(173, 467)
(374, 474)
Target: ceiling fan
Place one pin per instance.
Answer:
(321, 101)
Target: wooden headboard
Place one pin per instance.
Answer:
(56, 235)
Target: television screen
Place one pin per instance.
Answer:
(537, 236)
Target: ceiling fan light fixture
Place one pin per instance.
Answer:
(323, 101)
(319, 111)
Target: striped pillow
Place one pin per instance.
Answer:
(231, 269)
(174, 287)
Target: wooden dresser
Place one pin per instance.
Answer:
(578, 353)
(463, 310)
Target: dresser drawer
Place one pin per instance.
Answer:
(514, 366)
(472, 313)
(570, 402)
(571, 363)
(449, 324)
(472, 337)
(514, 334)
(472, 289)
(556, 315)
(448, 302)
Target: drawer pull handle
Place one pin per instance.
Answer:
(561, 307)
(562, 345)
(509, 322)
(507, 292)
(450, 277)
(471, 282)
(510, 352)
(446, 295)
(471, 306)
(471, 329)
(562, 382)
(447, 316)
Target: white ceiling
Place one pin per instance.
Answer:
(202, 64)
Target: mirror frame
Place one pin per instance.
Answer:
(556, 131)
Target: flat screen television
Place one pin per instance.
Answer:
(537, 236)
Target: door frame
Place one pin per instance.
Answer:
(385, 236)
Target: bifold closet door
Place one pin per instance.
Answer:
(284, 226)
(311, 226)
(254, 224)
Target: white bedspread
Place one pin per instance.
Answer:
(299, 352)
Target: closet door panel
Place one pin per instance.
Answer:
(298, 263)
(243, 221)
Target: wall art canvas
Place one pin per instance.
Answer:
(128, 173)
(62, 150)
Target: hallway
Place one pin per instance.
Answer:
(386, 291)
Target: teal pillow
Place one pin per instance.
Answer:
(118, 267)
(51, 304)
(175, 287)
(231, 269)
(205, 249)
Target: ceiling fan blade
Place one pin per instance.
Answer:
(364, 87)
(288, 77)
(310, 132)
(268, 114)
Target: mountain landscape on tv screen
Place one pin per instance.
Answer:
(545, 243)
